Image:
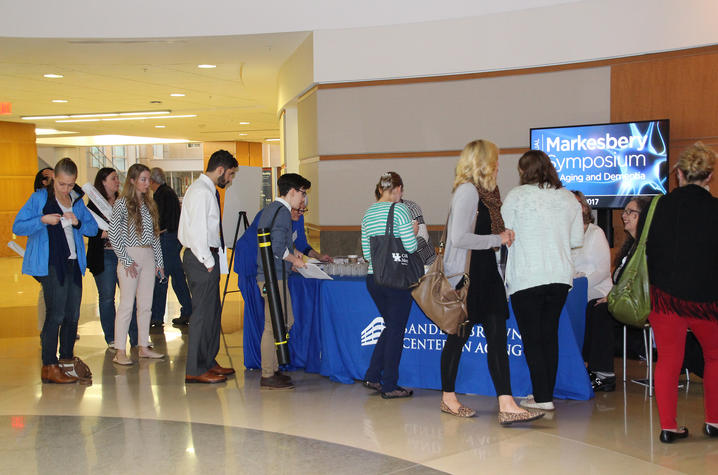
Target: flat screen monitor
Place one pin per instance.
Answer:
(609, 163)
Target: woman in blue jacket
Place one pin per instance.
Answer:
(54, 219)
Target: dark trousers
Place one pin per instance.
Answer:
(171, 248)
(394, 306)
(537, 311)
(107, 282)
(599, 341)
(62, 303)
(496, 355)
(204, 331)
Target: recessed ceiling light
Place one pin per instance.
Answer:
(40, 117)
(243, 134)
(53, 76)
(271, 140)
(244, 123)
(177, 94)
(59, 100)
(85, 116)
(206, 66)
(79, 120)
(159, 126)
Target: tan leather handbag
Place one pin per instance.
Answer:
(440, 301)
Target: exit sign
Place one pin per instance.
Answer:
(5, 108)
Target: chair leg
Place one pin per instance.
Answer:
(650, 362)
(625, 331)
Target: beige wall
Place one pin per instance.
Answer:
(425, 117)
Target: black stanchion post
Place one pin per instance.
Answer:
(279, 328)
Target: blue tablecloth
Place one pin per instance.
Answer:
(337, 324)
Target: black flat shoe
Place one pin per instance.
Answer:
(711, 431)
(668, 436)
(603, 384)
(397, 393)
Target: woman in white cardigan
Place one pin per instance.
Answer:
(547, 221)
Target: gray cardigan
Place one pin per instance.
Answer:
(460, 235)
(281, 236)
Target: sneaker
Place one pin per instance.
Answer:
(273, 382)
(180, 321)
(531, 403)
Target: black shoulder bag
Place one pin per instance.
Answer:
(393, 266)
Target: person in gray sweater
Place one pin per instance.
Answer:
(277, 217)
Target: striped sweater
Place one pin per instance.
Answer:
(123, 234)
(374, 224)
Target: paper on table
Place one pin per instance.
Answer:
(222, 256)
(311, 271)
(17, 248)
(313, 260)
(101, 223)
(98, 199)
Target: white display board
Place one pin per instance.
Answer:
(242, 195)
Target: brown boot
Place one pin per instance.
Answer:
(53, 374)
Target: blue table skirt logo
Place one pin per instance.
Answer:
(370, 335)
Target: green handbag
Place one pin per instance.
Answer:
(629, 301)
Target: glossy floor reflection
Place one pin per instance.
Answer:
(144, 417)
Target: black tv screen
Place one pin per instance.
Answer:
(609, 163)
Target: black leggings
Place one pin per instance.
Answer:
(496, 355)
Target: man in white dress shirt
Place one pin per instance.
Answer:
(200, 233)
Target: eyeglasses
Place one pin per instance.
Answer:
(627, 212)
(303, 192)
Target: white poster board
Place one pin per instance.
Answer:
(242, 195)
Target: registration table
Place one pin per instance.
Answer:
(337, 326)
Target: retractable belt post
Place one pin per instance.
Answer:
(279, 328)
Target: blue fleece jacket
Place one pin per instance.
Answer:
(28, 223)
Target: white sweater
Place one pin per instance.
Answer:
(460, 235)
(547, 223)
(593, 259)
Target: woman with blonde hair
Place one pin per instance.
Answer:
(475, 225)
(682, 259)
(134, 235)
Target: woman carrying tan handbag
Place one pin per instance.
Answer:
(476, 196)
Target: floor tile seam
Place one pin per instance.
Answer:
(605, 449)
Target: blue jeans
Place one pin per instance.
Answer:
(394, 306)
(171, 248)
(106, 287)
(62, 303)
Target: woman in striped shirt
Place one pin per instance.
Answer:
(393, 304)
(134, 235)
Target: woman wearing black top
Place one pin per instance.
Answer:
(682, 259)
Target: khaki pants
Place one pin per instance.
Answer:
(140, 287)
(268, 350)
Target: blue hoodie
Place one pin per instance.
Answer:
(28, 223)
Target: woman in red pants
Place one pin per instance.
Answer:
(683, 271)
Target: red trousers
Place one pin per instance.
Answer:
(670, 333)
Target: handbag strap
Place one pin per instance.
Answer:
(389, 230)
(649, 218)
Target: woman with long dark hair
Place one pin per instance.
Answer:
(393, 304)
(102, 260)
(682, 259)
(476, 202)
(134, 236)
(548, 223)
(54, 219)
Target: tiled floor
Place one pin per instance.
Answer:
(144, 417)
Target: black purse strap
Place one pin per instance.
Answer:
(389, 230)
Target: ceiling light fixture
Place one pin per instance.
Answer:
(206, 66)
(85, 116)
(53, 76)
(52, 132)
(108, 119)
(243, 134)
(59, 100)
(244, 123)
(177, 94)
(271, 140)
(159, 126)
